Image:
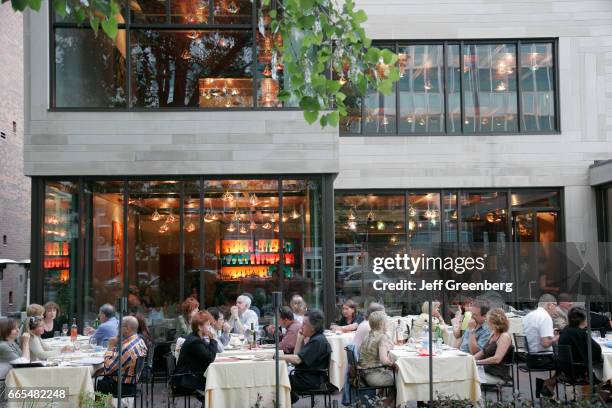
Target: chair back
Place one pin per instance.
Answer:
(521, 345)
(141, 363)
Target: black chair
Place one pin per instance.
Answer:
(525, 361)
(137, 377)
(326, 388)
(172, 393)
(148, 375)
(569, 372)
(357, 377)
(498, 387)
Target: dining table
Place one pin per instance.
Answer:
(70, 370)
(338, 361)
(606, 355)
(244, 378)
(454, 374)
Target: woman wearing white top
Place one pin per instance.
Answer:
(38, 349)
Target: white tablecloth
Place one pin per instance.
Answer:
(241, 383)
(76, 379)
(606, 355)
(338, 362)
(454, 374)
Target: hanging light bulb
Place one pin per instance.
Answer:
(351, 215)
(342, 80)
(253, 200)
(370, 216)
(236, 216)
(170, 218)
(253, 225)
(428, 214)
(380, 225)
(393, 239)
(501, 86)
(276, 228)
(284, 217)
(231, 227)
(227, 196)
(352, 225)
(411, 225)
(427, 85)
(454, 215)
(155, 216)
(266, 226)
(243, 230)
(411, 211)
(190, 227)
(294, 214)
(209, 216)
(164, 227)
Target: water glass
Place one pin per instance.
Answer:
(56, 334)
(64, 329)
(439, 344)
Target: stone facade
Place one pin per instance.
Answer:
(14, 186)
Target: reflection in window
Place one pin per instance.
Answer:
(379, 109)
(450, 216)
(537, 87)
(421, 88)
(535, 198)
(191, 68)
(424, 217)
(89, 69)
(483, 217)
(351, 123)
(490, 88)
(453, 83)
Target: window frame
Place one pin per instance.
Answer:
(166, 26)
(445, 43)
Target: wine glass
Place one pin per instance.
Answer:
(64, 329)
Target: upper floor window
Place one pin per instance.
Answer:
(170, 54)
(465, 87)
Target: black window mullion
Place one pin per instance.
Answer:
(168, 14)
(182, 241)
(556, 93)
(445, 86)
(519, 90)
(461, 85)
(281, 249)
(128, 58)
(397, 96)
(202, 238)
(211, 11)
(254, 70)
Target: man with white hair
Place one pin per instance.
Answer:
(538, 328)
(364, 327)
(242, 317)
(133, 347)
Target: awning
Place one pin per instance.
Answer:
(600, 172)
(7, 261)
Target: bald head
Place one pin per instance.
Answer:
(130, 325)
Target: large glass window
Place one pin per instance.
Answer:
(218, 60)
(463, 87)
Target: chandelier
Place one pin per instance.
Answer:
(170, 218)
(190, 227)
(227, 196)
(164, 227)
(266, 226)
(155, 216)
(253, 225)
(253, 200)
(231, 227)
(294, 214)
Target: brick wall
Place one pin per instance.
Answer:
(14, 186)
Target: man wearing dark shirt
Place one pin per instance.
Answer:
(314, 355)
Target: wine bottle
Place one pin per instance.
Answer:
(254, 338)
(73, 331)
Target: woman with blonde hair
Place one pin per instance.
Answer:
(374, 352)
(33, 309)
(423, 319)
(498, 349)
(299, 307)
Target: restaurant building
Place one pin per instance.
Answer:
(163, 164)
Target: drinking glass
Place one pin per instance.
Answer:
(56, 334)
(64, 329)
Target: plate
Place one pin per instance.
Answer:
(244, 357)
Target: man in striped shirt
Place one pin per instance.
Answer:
(133, 347)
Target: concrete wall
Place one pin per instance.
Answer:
(280, 142)
(14, 186)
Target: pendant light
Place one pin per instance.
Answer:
(294, 214)
(155, 216)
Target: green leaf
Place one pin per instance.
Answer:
(360, 16)
(35, 4)
(110, 27)
(333, 86)
(272, 12)
(266, 2)
(394, 74)
(388, 56)
(79, 15)
(372, 55)
(19, 5)
(385, 86)
(340, 96)
(311, 116)
(333, 118)
(284, 96)
(60, 6)
(307, 5)
(94, 22)
(307, 22)
(362, 84)
(310, 103)
(323, 121)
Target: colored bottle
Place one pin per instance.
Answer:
(73, 331)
